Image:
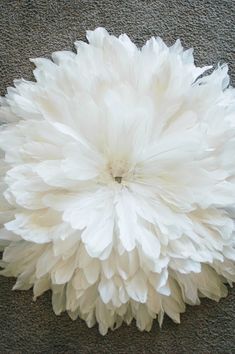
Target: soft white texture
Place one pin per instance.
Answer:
(118, 181)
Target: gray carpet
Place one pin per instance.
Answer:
(36, 28)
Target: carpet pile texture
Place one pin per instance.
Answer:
(37, 28)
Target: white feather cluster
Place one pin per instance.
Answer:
(118, 181)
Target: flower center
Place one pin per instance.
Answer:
(119, 171)
(118, 179)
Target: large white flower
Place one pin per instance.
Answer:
(118, 181)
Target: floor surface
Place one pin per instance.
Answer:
(37, 28)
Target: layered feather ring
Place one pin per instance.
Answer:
(118, 181)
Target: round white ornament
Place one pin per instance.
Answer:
(118, 181)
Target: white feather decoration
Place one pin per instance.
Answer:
(118, 181)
